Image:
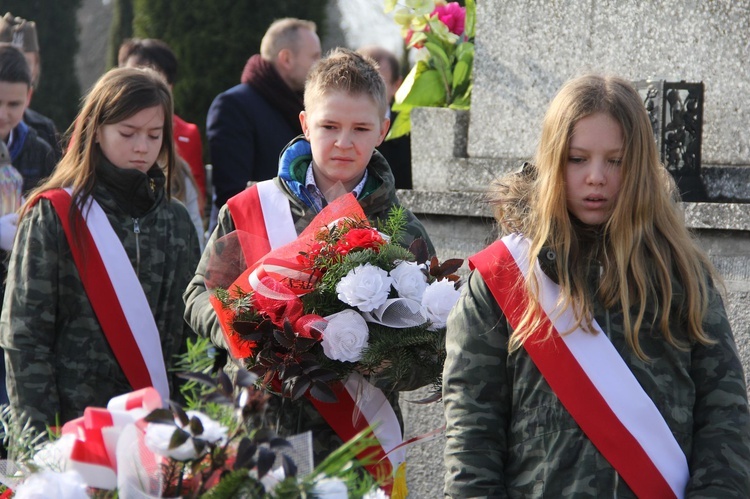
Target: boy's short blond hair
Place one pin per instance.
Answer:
(344, 70)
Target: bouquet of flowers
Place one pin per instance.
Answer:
(340, 315)
(444, 33)
(347, 298)
(135, 448)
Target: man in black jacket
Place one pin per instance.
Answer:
(249, 124)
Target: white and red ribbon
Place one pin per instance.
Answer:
(94, 451)
(115, 293)
(589, 377)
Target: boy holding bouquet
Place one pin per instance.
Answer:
(343, 121)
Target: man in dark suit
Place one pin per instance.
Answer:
(249, 124)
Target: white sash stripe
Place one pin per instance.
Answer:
(611, 376)
(277, 214)
(129, 293)
(376, 409)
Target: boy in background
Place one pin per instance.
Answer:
(30, 155)
(343, 122)
(22, 33)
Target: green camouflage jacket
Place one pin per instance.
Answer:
(376, 200)
(58, 359)
(509, 436)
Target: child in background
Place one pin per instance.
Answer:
(93, 305)
(22, 34)
(343, 121)
(189, 183)
(609, 369)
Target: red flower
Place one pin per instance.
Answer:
(453, 16)
(361, 238)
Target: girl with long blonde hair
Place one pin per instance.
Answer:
(590, 354)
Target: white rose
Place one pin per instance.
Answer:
(47, 483)
(345, 336)
(330, 488)
(365, 287)
(438, 300)
(409, 280)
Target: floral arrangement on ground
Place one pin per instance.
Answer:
(345, 298)
(217, 447)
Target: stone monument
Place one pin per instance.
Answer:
(526, 50)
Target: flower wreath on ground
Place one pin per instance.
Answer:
(217, 447)
(340, 309)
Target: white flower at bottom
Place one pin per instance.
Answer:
(438, 300)
(46, 483)
(365, 287)
(409, 280)
(330, 488)
(345, 336)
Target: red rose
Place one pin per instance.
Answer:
(361, 239)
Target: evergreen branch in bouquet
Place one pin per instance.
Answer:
(395, 225)
(395, 358)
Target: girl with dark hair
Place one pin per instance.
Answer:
(94, 307)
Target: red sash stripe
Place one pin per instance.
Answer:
(568, 380)
(101, 293)
(247, 214)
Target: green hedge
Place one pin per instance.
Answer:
(59, 92)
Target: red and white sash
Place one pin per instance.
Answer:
(264, 212)
(589, 377)
(115, 294)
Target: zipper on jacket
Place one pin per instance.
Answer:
(137, 232)
(617, 479)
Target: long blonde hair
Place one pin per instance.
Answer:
(642, 247)
(116, 96)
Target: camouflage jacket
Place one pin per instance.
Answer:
(509, 436)
(376, 200)
(58, 359)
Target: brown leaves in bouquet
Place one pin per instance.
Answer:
(286, 357)
(445, 270)
(418, 248)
